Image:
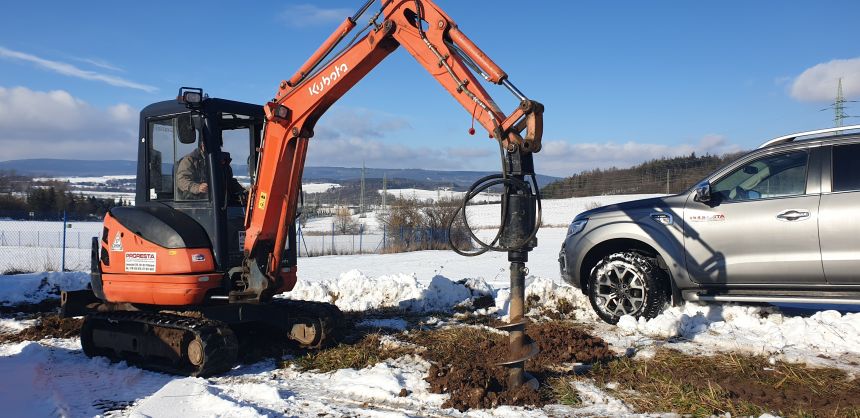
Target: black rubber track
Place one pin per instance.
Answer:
(220, 346)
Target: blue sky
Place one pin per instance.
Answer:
(622, 81)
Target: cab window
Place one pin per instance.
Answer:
(160, 157)
(773, 176)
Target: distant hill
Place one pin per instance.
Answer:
(665, 175)
(87, 168)
(50, 167)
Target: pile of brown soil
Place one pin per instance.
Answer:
(562, 343)
(49, 326)
(463, 362)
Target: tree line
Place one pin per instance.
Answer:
(20, 196)
(664, 175)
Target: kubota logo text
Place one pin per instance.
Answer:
(336, 73)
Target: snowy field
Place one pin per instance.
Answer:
(318, 187)
(436, 195)
(53, 377)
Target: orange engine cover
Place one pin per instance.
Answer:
(139, 271)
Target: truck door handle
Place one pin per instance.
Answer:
(793, 215)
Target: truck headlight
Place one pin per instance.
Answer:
(576, 227)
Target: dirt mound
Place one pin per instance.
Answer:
(561, 343)
(49, 326)
(468, 373)
(463, 362)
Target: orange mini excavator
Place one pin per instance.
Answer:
(198, 257)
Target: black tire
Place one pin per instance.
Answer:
(627, 283)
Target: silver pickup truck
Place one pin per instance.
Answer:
(779, 224)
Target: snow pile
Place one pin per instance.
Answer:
(353, 291)
(381, 381)
(33, 288)
(753, 329)
(13, 326)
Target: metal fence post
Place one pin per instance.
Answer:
(360, 237)
(332, 238)
(63, 263)
(298, 239)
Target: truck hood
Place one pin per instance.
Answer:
(672, 203)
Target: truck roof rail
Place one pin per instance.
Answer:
(792, 137)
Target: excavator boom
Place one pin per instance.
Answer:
(436, 42)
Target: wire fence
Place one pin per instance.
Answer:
(46, 245)
(362, 241)
(57, 245)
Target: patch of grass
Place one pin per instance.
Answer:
(461, 341)
(366, 352)
(728, 383)
(563, 392)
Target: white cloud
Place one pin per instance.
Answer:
(303, 15)
(55, 124)
(562, 158)
(73, 71)
(100, 63)
(819, 82)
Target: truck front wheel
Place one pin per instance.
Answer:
(627, 283)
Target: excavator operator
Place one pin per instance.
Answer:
(192, 176)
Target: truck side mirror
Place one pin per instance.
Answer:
(703, 192)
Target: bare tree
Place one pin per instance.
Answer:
(343, 221)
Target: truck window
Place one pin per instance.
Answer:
(846, 171)
(777, 175)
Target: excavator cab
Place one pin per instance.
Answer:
(197, 156)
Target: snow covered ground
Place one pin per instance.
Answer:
(435, 195)
(53, 377)
(318, 187)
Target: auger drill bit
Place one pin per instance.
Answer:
(520, 346)
(518, 237)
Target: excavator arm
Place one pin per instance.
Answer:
(437, 44)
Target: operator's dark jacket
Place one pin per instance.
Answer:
(191, 172)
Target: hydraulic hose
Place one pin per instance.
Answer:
(511, 186)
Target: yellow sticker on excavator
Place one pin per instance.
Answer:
(262, 202)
